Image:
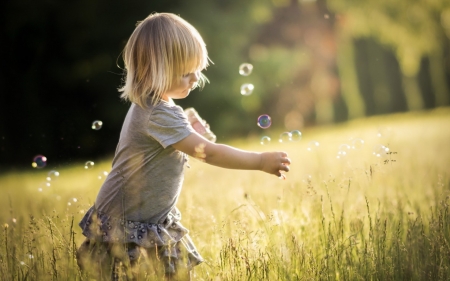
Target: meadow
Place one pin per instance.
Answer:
(347, 210)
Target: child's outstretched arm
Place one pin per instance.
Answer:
(232, 158)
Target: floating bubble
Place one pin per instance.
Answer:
(312, 145)
(307, 179)
(357, 143)
(102, 175)
(247, 89)
(264, 121)
(39, 161)
(296, 135)
(343, 150)
(43, 185)
(52, 175)
(74, 199)
(384, 132)
(265, 140)
(380, 150)
(97, 125)
(245, 69)
(341, 154)
(285, 137)
(89, 165)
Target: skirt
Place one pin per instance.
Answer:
(117, 249)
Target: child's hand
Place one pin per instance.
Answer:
(199, 125)
(275, 162)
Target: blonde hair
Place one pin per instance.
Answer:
(162, 48)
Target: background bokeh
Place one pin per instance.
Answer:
(315, 62)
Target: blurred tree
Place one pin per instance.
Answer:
(308, 91)
(292, 48)
(228, 27)
(312, 65)
(413, 29)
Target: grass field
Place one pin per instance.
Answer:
(357, 217)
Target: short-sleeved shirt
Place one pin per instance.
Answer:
(147, 172)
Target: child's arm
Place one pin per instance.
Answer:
(232, 158)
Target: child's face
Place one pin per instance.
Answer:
(181, 88)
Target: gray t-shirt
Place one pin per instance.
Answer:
(147, 173)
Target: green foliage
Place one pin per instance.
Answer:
(308, 69)
(412, 28)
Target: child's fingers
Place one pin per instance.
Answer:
(284, 167)
(284, 158)
(286, 161)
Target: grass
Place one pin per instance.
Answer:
(359, 217)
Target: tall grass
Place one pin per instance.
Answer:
(357, 217)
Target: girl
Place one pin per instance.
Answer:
(134, 230)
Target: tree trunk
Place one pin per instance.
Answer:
(413, 93)
(437, 73)
(349, 78)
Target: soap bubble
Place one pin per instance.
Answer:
(247, 89)
(296, 135)
(89, 165)
(312, 145)
(380, 150)
(384, 132)
(245, 69)
(43, 186)
(52, 175)
(285, 137)
(102, 175)
(357, 143)
(307, 179)
(264, 121)
(39, 161)
(265, 140)
(341, 154)
(97, 125)
(344, 149)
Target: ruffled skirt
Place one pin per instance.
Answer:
(113, 241)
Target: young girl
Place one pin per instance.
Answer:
(134, 230)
